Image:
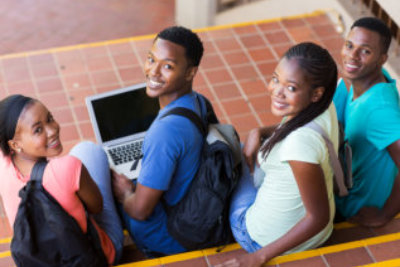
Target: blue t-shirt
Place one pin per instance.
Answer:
(171, 149)
(371, 123)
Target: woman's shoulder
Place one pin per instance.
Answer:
(64, 160)
(307, 136)
(62, 173)
(300, 137)
(66, 165)
(327, 121)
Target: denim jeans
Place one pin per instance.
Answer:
(242, 199)
(95, 160)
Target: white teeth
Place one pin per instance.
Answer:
(154, 83)
(279, 105)
(53, 143)
(351, 66)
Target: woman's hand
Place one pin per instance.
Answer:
(251, 147)
(122, 186)
(253, 144)
(247, 260)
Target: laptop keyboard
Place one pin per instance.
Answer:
(125, 153)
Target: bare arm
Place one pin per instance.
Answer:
(89, 193)
(374, 217)
(311, 183)
(138, 202)
(253, 143)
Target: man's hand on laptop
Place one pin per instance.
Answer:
(122, 186)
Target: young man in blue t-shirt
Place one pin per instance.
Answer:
(370, 114)
(172, 145)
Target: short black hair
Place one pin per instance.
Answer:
(186, 38)
(378, 26)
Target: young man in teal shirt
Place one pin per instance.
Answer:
(370, 114)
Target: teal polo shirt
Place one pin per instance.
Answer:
(372, 123)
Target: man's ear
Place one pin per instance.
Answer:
(317, 94)
(382, 59)
(191, 72)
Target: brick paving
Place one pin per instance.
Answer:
(32, 25)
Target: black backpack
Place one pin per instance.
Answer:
(46, 235)
(201, 218)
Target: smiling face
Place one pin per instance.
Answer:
(37, 134)
(168, 72)
(362, 54)
(290, 89)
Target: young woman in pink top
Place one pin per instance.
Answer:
(28, 133)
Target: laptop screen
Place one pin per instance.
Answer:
(124, 114)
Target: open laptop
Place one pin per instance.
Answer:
(120, 119)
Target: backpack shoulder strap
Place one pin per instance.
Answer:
(210, 115)
(38, 170)
(191, 115)
(333, 157)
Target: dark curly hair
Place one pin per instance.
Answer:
(320, 69)
(378, 26)
(186, 38)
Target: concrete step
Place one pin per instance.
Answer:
(349, 245)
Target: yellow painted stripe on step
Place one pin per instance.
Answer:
(182, 257)
(242, 24)
(295, 256)
(279, 259)
(360, 243)
(213, 251)
(381, 239)
(5, 240)
(335, 248)
(5, 254)
(388, 263)
(75, 47)
(151, 36)
(344, 225)
(236, 246)
(146, 263)
(340, 247)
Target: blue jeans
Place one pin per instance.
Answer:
(242, 199)
(95, 160)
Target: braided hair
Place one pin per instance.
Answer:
(320, 69)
